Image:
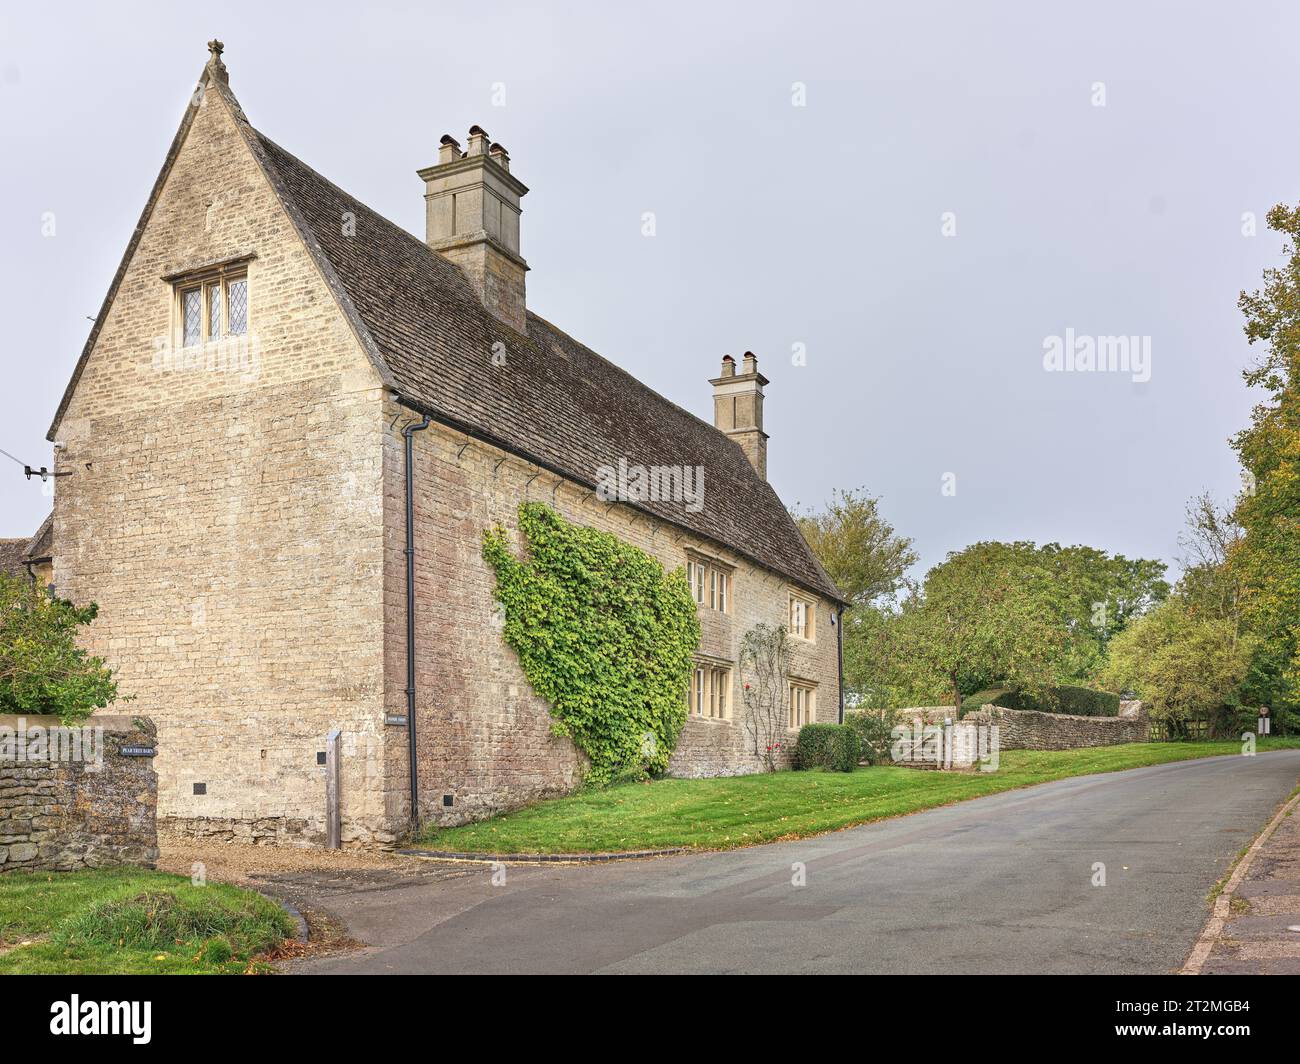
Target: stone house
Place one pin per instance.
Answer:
(30, 559)
(277, 373)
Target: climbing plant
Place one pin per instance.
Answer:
(764, 671)
(603, 633)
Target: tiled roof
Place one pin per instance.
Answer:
(15, 553)
(12, 553)
(554, 402)
(41, 545)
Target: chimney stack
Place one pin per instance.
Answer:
(738, 408)
(472, 219)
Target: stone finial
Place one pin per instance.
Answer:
(218, 68)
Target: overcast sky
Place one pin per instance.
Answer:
(1095, 164)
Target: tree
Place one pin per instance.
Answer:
(1211, 584)
(764, 672)
(1184, 662)
(1267, 559)
(979, 620)
(42, 670)
(1088, 594)
(857, 547)
(868, 561)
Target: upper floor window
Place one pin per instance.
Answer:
(710, 584)
(212, 308)
(803, 617)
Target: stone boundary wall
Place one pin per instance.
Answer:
(1026, 729)
(60, 815)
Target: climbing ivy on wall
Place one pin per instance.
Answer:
(603, 633)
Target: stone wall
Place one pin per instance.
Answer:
(227, 516)
(240, 524)
(484, 736)
(61, 815)
(1022, 729)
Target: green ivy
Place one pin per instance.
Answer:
(603, 634)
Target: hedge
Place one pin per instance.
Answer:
(1078, 701)
(874, 729)
(832, 746)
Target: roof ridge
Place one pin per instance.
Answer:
(424, 385)
(424, 249)
(422, 326)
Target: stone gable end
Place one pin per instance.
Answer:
(226, 514)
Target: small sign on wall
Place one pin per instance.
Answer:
(138, 751)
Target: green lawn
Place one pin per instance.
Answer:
(132, 921)
(720, 814)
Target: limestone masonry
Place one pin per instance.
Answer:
(235, 497)
(64, 814)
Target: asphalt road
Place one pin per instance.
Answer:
(999, 884)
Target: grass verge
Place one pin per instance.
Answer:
(130, 921)
(721, 814)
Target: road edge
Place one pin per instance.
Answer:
(1213, 929)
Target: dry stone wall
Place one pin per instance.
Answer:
(91, 810)
(1023, 729)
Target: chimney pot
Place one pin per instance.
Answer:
(738, 408)
(448, 149)
(472, 220)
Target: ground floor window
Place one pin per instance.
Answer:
(803, 703)
(711, 691)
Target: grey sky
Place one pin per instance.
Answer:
(775, 224)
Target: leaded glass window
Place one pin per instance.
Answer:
(214, 311)
(237, 306)
(213, 307)
(192, 317)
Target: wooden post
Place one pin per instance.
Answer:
(333, 816)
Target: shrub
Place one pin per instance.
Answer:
(874, 729)
(1079, 701)
(43, 669)
(831, 746)
(1085, 702)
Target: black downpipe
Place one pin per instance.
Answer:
(408, 432)
(839, 650)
